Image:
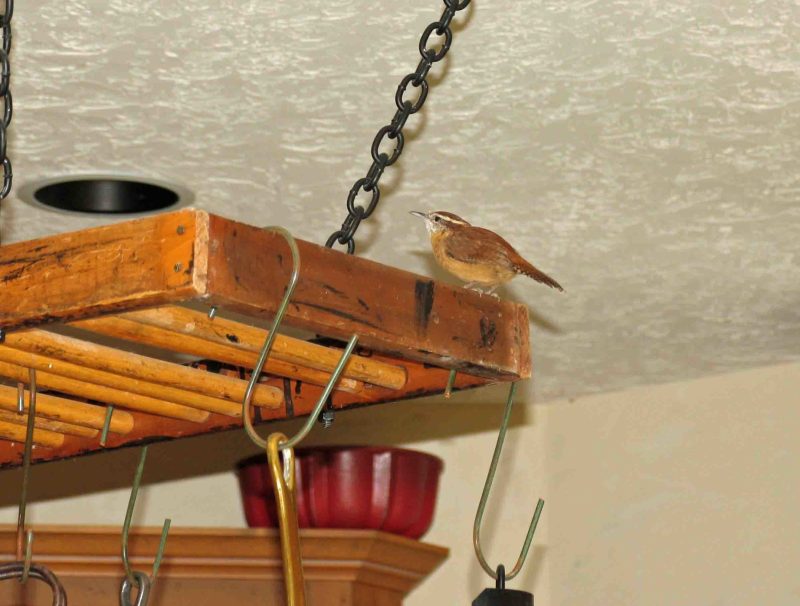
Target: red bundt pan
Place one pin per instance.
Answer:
(388, 489)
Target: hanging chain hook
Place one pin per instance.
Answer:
(133, 577)
(6, 178)
(487, 488)
(25, 539)
(358, 208)
(264, 354)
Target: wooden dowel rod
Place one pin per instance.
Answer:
(41, 437)
(145, 388)
(69, 411)
(166, 339)
(56, 426)
(289, 349)
(107, 395)
(142, 368)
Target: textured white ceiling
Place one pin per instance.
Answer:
(646, 153)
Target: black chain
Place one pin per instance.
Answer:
(394, 131)
(5, 94)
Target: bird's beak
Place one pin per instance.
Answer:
(417, 213)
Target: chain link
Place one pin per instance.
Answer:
(394, 130)
(5, 94)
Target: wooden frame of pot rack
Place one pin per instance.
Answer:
(74, 306)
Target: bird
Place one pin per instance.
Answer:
(478, 256)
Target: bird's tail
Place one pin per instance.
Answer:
(529, 270)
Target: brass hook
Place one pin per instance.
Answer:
(131, 576)
(265, 349)
(283, 480)
(25, 539)
(476, 529)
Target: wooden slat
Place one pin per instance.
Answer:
(42, 423)
(107, 395)
(69, 411)
(145, 376)
(132, 385)
(155, 336)
(393, 311)
(242, 336)
(422, 381)
(41, 437)
(127, 265)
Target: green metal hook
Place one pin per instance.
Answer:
(129, 572)
(23, 497)
(106, 425)
(487, 488)
(451, 380)
(264, 354)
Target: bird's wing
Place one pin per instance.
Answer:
(479, 245)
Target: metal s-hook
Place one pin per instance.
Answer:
(487, 488)
(278, 446)
(264, 354)
(133, 577)
(25, 539)
(106, 425)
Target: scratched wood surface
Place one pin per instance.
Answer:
(81, 274)
(393, 311)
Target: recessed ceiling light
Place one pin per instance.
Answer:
(105, 194)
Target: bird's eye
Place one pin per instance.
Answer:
(437, 218)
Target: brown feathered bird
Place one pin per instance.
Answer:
(476, 255)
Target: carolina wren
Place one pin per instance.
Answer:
(476, 255)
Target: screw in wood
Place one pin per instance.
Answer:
(326, 418)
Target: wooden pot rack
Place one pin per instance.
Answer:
(118, 315)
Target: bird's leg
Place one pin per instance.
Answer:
(491, 291)
(473, 286)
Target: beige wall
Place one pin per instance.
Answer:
(683, 494)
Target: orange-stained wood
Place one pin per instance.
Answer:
(127, 265)
(106, 395)
(41, 437)
(190, 255)
(155, 336)
(135, 373)
(42, 423)
(251, 339)
(392, 311)
(162, 392)
(69, 411)
(422, 381)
